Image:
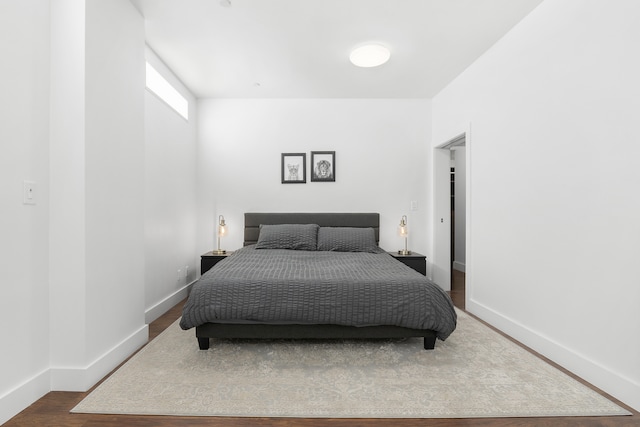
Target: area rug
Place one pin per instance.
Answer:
(475, 373)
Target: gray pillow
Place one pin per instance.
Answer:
(347, 239)
(302, 237)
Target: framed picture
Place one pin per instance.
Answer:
(323, 166)
(294, 168)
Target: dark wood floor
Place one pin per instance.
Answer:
(53, 409)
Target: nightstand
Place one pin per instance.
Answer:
(210, 259)
(416, 261)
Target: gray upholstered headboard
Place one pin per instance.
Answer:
(253, 220)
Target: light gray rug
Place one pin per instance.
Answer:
(475, 373)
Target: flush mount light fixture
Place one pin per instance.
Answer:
(370, 55)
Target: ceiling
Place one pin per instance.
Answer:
(300, 48)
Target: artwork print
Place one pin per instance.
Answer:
(323, 166)
(294, 168)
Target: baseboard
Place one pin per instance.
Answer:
(610, 382)
(166, 304)
(83, 378)
(25, 394)
(460, 266)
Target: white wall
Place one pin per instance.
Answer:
(72, 298)
(380, 150)
(170, 198)
(554, 186)
(114, 159)
(97, 186)
(24, 154)
(67, 236)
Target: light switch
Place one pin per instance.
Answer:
(29, 193)
(414, 205)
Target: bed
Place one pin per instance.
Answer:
(315, 276)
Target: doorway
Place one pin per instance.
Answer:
(451, 207)
(458, 224)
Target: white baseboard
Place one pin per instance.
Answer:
(166, 304)
(83, 378)
(460, 266)
(14, 401)
(610, 382)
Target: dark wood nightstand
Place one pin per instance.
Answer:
(210, 259)
(416, 261)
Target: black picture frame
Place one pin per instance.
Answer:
(294, 168)
(323, 166)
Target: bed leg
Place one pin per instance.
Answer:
(429, 343)
(203, 342)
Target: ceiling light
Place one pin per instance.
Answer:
(225, 3)
(370, 55)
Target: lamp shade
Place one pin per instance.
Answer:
(222, 227)
(403, 230)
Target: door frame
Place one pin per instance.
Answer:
(441, 265)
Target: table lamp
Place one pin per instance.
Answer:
(222, 231)
(403, 231)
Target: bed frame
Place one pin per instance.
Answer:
(252, 223)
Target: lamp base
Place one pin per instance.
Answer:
(404, 252)
(218, 251)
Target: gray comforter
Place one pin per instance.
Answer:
(280, 286)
